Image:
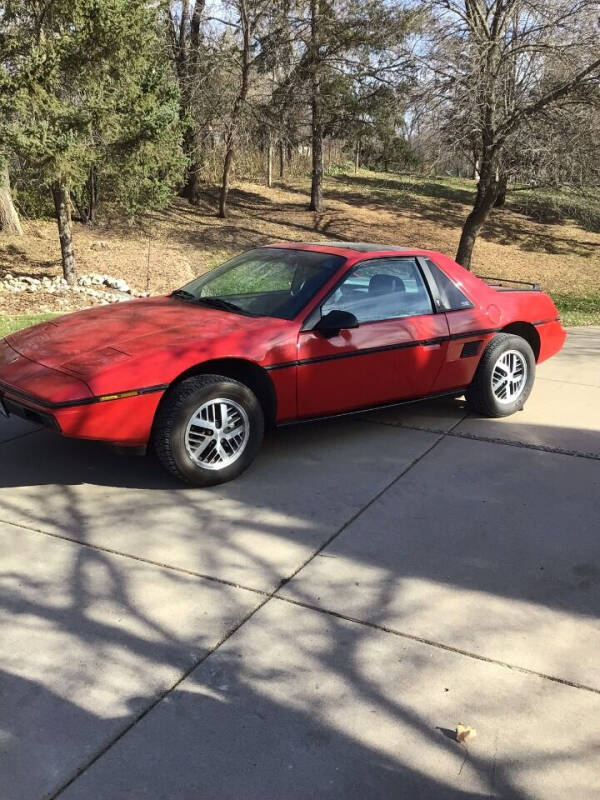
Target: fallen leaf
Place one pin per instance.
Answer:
(464, 733)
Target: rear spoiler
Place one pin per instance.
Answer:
(502, 283)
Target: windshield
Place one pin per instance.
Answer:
(267, 282)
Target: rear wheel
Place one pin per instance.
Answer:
(504, 377)
(208, 429)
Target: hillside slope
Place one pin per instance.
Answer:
(166, 249)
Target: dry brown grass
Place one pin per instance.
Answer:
(166, 249)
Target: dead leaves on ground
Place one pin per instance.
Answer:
(465, 733)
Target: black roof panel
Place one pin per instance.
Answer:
(361, 247)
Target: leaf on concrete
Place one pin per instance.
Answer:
(464, 733)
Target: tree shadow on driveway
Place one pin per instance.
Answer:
(354, 710)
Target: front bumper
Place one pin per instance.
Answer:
(17, 409)
(124, 421)
(62, 402)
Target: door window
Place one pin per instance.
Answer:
(381, 289)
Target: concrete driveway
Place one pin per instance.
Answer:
(317, 628)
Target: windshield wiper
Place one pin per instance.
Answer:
(225, 305)
(213, 302)
(183, 294)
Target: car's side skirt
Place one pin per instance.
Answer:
(405, 402)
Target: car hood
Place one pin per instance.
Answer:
(87, 340)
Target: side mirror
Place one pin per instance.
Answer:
(335, 321)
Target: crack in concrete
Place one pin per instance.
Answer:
(564, 380)
(20, 436)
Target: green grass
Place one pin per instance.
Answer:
(9, 324)
(577, 309)
(556, 206)
(404, 190)
(544, 205)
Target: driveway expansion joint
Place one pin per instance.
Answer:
(158, 699)
(439, 645)
(148, 561)
(564, 380)
(364, 508)
(489, 439)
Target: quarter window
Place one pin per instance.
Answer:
(381, 289)
(452, 297)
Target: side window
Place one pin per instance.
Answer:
(385, 288)
(452, 297)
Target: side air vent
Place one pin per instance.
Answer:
(471, 348)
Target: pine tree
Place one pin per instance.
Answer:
(85, 90)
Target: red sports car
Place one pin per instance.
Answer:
(276, 335)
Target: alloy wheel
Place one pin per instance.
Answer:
(217, 433)
(509, 376)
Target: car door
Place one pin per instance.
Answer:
(395, 352)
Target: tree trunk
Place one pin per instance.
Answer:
(281, 160)
(316, 189)
(237, 109)
(487, 192)
(92, 195)
(225, 182)
(192, 189)
(270, 162)
(62, 206)
(501, 196)
(9, 217)
(190, 76)
(357, 156)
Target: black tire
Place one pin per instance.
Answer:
(480, 394)
(176, 411)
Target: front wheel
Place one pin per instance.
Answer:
(208, 429)
(504, 378)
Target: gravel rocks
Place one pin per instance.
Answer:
(103, 288)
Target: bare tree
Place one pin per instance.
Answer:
(315, 59)
(238, 105)
(349, 45)
(493, 67)
(249, 14)
(270, 160)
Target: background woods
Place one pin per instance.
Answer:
(112, 108)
